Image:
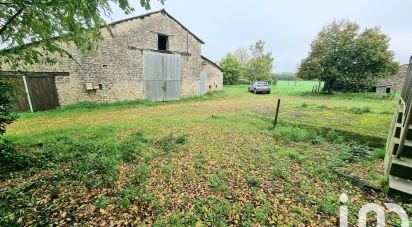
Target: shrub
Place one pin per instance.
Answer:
(6, 113)
(353, 152)
(11, 160)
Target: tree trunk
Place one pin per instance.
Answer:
(330, 87)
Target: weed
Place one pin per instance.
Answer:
(169, 143)
(280, 171)
(101, 202)
(217, 183)
(142, 174)
(253, 181)
(323, 107)
(304, 104)
(328, 203)
(201, 163)
(379, 153)
(213, 211)
(168, 171)
(334, 137)
(360, 110)
(126, 196)
(182, 139)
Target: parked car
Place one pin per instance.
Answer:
(259, 87)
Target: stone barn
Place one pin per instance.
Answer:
(152, 56)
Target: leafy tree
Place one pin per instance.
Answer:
(243, 54)
(42, 21)
(231, 69)
(6, 114)
(260, 66)
(341, 52)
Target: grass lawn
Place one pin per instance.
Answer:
(212, 160)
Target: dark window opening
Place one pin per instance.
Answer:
(388, 90)
(162, 42)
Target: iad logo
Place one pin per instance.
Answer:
(371, 207)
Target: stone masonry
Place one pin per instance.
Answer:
(115, 68)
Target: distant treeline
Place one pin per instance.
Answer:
(283, 76)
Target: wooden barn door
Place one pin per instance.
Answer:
(21, 101)
(43, 92)
(33, 93)
(162, 76)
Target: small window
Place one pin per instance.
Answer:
(162, 42)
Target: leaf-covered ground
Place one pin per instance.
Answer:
(205, 161)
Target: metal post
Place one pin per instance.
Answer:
(28, 93)
(277, 113)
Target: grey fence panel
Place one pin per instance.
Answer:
(162, 75)
(202, 83)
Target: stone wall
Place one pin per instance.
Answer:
(214, 80)
(396, 80)
(116, 66)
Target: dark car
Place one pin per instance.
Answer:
(259, 87)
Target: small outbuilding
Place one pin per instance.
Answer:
(152, 56)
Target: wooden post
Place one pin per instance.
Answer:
(276, 116)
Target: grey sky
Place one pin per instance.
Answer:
(287, 26)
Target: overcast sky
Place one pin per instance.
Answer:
(287, 26)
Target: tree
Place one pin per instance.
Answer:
(48, 24)
(6, 114)
(261, 64)
(243, 54)
(340, 52)
(231, 69)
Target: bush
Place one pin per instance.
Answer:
(6, 114)
(353, 152)
(11, 160)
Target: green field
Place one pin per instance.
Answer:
(212, 160)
